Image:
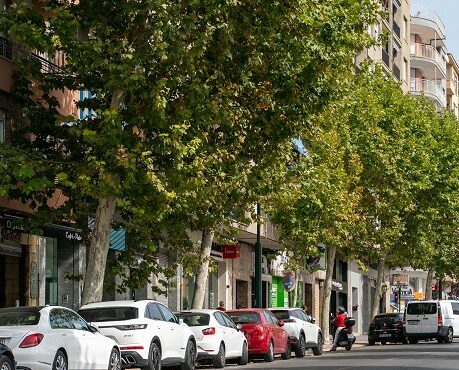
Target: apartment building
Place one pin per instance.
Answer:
(392, 36)
(429, 58)
(452, 85)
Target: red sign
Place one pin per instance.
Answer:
(232, 251)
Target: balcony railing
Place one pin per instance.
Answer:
(396, 72)
(424, 12)
(430, 88)
(6, 48)
(46, 66)
(396, 29)
(385, 57)
(429, 52)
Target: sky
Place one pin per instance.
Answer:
(448, 10)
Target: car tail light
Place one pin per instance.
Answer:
(399, 324)
(131, 327)
(31, 340)
(208, 331)
(440, 318)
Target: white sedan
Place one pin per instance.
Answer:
(218, 338)
(55, 338)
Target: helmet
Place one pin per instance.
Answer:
(341, 309)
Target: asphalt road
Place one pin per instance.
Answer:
(425, 356)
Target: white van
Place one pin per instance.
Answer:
(432, 319)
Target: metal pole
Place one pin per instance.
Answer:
(258, 253)
(440, 289)
(399, 298)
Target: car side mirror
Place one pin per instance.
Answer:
(179, 320)
(281, 323)
(93, 329)
(239, 326)
(312, 320)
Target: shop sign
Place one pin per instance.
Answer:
(73, 236)
(231, 251)
(11, 235)
(400, 279)
(289, 282)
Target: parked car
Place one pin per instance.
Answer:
(148, 333)
(387, 327)
(217, 336)
(55, 338)
(7, 361)
(265, 334)
(432, 319)
(302, 332)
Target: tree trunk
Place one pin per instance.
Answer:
(325, 304)
(429, 280)
(98, 250)
(378, 292)
(203, 270)
(295, 291)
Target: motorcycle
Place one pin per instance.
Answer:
(346, 339)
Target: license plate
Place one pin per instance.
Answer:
(413, 322)
(385, 335)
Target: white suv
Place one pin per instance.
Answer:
(301, 329)
(148, 334)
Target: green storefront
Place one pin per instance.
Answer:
(279, 297)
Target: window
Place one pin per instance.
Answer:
(455, 307)
(245, 317)
(268, 318)
(109, 314)
(2, 125)
(168, 315)
(51, 272)
(219, 317)
(153, 312)
(19, 316)
(284, 314)
(422, 308)
(228, 321)
(59, 320)
(76, 321)
(404, 70)
(195, 319)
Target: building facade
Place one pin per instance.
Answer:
(452, 86)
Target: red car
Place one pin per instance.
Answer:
(264, 333)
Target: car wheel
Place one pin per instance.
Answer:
(317, 351)
(5, 363)
(348, 347)
(412, 340)
(383, 343)
(371, 342)
(244, 359)
(60, 361)
(404, 341)
(115, 360)
(219, 360)
(300, 350)
(154, 358)
(288, 351)
(450, 336)
(269, 356)
(190, 357)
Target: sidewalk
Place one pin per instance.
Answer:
(361, 341)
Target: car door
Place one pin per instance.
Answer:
(455, 318)
(310, 329)
(275, 331)
(429, 317)
(93, 350)
(62, 336)
(414, 317)
(175, 340)
(153, 313)
(225, 333)
(234, 335)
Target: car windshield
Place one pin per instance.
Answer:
(244, 317)
(195, 319)
(281, 315)
(19, 316)
(102, 314)
(422, 308)
(387, 319)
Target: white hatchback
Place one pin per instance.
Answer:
(55, 338)
(148, 333)
(218, 337)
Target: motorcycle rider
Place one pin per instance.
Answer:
(339, 324)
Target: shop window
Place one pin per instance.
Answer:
(343, 271)
(51, 272)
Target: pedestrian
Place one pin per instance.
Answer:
(339, 324)
(221, 306)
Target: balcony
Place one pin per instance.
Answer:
(396, 29)
(46, 66)
(430, 88)
(426, 22)
(428, 59)
(396, 72)
(6, 48)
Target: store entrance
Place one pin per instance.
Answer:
(11, 281)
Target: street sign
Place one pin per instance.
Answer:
(400, 279)
(289, 282)
(231, 251)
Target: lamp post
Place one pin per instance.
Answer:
(258, 253)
